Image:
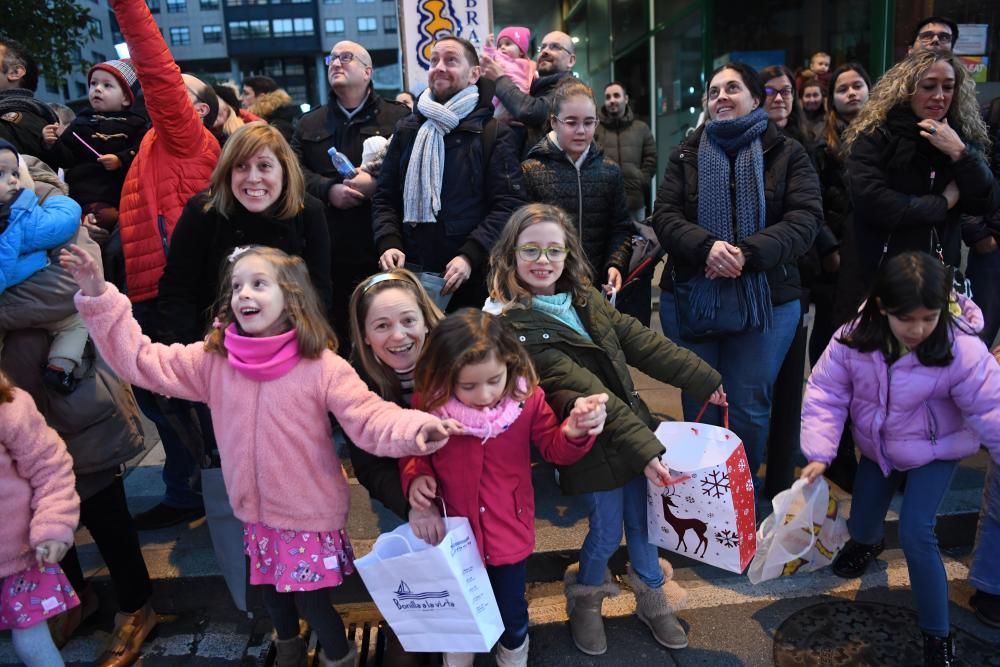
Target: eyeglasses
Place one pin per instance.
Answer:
(344, 58)
(928, 36)
(531, 253)
(552, 46)
(785, 92)
(572, 124)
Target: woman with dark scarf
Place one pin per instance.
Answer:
(915, 164)
(738, 205)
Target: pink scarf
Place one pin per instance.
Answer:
(483, 424)
(262, 359)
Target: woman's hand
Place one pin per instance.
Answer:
(659, 474)
(724, 261)
(615, 278)
(951, 194)
(50, 551)
(812, 471)
(87, 273)
(942, 137)
(393, 258)
(423, 491)
(456, 272)
(433, 435)
(718, 397)
(427, 524)
(587, 417)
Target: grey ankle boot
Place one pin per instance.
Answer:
(517, 657)
(657, 607)
(291, 652)
(583, 606)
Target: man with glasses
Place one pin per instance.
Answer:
(353, 113)
(556, 57)
(450, 180)
(934, 33)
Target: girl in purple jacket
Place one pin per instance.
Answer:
(921, 390)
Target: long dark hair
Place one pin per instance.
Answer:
(904, 283)
(794, 126)
(750, 79)
(833, 119)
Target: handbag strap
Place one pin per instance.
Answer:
(725, 414)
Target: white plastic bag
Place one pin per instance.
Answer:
(803, 535)
(435, 598)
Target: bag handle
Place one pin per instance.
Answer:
(725, 414)
(798, 484)
(389, 536)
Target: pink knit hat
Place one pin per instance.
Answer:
(518, 35)
(123, 71)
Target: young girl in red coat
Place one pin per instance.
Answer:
(473, 371)
(41, 510)
(269, 374)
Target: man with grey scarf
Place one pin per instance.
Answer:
(450, 179)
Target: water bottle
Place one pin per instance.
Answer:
(342, 164)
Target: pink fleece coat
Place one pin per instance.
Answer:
(278, 459)
(489, 482)
(36, 485)
(905, 415)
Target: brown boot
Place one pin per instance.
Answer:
(657, 607)
(583, 606)
(129, 634)
(348, 660)
(291, 652)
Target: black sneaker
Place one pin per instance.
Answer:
(60, 380)
(853, 559)
(164, 516)
(987, 608)
(939, 651)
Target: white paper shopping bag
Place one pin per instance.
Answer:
(710, 515)
(435, 598)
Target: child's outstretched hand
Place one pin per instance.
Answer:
(718, 397)
(110, 161)
(50, 551)
(427, 524)
(587, 417)
(423, 491)
(490, 42)
(432, 436)
(50, 134)
(812, 471)
(659, 474)
(87, 273)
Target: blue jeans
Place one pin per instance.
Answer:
(608, 511)
(508, 582)
(749, 364)
(984, 273)
(985, 571)
(925, 488)
(180, 428)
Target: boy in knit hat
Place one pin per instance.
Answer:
(28, 230)
(99, 145)
(511, 53)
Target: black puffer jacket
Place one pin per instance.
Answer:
(475, 202)
(793, 209)
(203, 239)
(630, 143)
(593, 195)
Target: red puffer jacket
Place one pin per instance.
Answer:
(175, 159)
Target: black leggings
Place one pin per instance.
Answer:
(315, 607)
(106, 516)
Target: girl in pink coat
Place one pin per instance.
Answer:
(472, 370)
(269, 373)
(922, 391)
(41, 510)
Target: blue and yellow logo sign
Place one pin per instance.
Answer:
(438, 18)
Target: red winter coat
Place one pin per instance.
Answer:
(489, 482)
(175, 159)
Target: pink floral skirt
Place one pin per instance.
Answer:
(294, 560)
(33, 596)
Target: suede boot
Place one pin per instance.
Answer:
(291, 652)
(657, 607)
(128, 637)
(517, 657)
(458, 659)
(348, 660)
(583, 606)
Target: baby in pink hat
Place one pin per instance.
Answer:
(511, 53)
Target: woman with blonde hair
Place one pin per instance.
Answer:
(256, 197)
(915, 164)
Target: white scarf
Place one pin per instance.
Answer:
(422, 190)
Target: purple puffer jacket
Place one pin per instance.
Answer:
(906, 415)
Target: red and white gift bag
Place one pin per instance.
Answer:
(710, 515)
